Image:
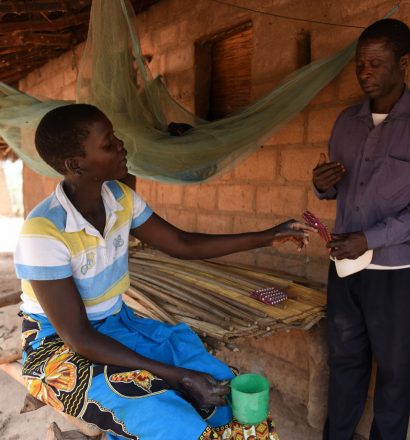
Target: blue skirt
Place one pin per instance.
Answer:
(131, 404)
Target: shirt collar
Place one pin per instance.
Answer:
(75, 221)
(400, 110)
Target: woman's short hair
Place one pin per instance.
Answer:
(395, 32)
(62, 131)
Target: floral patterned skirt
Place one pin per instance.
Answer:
(130, 404)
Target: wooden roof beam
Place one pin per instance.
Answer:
(43, 25)
(24, 7)
(28, 60)
(14, 49)
(58, 40)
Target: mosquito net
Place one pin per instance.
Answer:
(114, 77)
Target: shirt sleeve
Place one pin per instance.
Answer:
(141, 212)
(41, 254)
(391, 231)
(330, 194)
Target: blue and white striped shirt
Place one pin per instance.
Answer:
(57, 242)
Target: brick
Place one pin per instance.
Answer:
(320, 123)
(242, 223)
(147, 189)
(200, 197)
(157, 64)
(281, 263)
(289, 346)
(239, 198)
(276, 49)
(49, 184)
(317, 269)
(35, 188)
(179, 58)
(31, 79)
(44, 90)
(281, 200)
(261, 165)
(168, 194)
(225, 176)
(214, 223)
(297, 164)
(5, 199)
(289, 380)
(323, 209)
(291, 133)
(166, 36)
(180, 85)
(323, 46)
(328, 94)
(348, 85)
(181, 218)
(68, 93)
(70, 71)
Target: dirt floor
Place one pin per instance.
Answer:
(290, 420)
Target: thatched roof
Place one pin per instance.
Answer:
(34, 31)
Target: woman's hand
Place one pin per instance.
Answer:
(292, 230)
(202, 390)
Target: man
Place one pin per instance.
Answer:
(369, 175)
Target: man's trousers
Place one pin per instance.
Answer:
(369, 314)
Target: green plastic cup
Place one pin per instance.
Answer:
(250, 398)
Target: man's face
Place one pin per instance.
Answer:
(378, 70)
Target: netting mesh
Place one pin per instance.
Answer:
(113, 77)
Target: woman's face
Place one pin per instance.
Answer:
(105, 157)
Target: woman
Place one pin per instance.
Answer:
(85, 352)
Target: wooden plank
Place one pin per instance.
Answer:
(24, 7)
(29, 38)
(43, 25)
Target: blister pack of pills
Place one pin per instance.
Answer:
(269, 295)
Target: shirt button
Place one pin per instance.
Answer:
(367, 159)
(361, 183)
(357, 208)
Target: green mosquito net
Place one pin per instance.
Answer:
(114, 77)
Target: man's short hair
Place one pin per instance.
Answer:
(395, 32)
(62, 131)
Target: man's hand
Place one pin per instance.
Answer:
(327, 174)
(202, 390)
(348, 245)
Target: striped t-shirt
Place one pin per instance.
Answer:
(57, 242)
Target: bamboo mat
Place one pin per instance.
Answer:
(213, 298)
